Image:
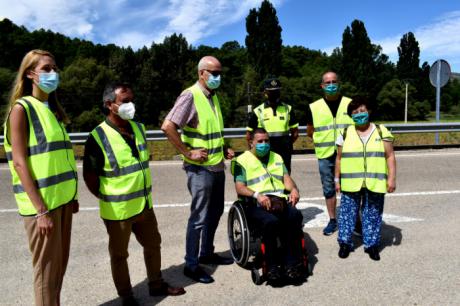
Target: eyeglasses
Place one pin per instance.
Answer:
(214, 73)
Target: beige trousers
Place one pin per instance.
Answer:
(145, 228)
(50, 255)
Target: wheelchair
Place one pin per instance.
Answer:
(246, 244)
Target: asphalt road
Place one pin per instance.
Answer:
(420, 258)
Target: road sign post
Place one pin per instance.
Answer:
(439, 77)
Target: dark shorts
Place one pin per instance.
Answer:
(327, 172)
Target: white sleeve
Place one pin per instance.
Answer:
(339, 140)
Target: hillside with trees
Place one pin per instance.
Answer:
(159, 72)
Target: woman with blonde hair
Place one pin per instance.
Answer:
(43, 170)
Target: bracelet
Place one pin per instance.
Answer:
(41, 214)
(255, 195)
(336, 179)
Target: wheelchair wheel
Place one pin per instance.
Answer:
(256, 277)
(238, 234)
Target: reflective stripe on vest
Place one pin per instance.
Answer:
(125, 184)
(209, 132)
(50, 158)
(364, 165)
(265, 180)
(276, 125)
(327, 127)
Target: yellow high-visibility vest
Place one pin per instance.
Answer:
(327, 128)
(276, 125)
(125, 186)
(50, 159)
(210, 130)
(263, 179)
(364, 165)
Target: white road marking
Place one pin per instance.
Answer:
(315, 215)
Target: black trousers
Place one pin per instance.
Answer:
(285, 226)
(283, 146)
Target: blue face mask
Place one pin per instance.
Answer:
(213, 82)
(331, 89)
(360, 118)
(48, 81)
(262, 149)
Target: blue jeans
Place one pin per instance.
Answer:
(326, 171)
(207, 190)
(372, 210)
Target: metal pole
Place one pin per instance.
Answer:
(405, 106)
(438, 97)
(249, 98)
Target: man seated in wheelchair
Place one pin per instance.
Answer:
(261, 175)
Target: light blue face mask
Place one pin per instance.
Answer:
(262, 149)
(360, 118)
(213, 82)
(48, 81)
(331, 89)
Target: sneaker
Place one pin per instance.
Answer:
(330, 228)
(373, 252)
(344, 250)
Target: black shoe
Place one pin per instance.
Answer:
(344, 251)
(198, 275)
(373, 253)
(129, 301)
(295, 274)
(215, 259)
(274, 278)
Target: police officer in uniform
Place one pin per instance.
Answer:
(116, 170)
(278, 119)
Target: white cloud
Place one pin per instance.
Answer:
(440, 39)
(196, 19)
(127, 22)
(73, 18)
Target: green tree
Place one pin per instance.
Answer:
(408, 62)
(363, 64)
(264, 40)
(392, 99)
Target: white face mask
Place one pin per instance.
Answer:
(126, 111)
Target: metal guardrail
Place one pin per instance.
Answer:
(400, 128)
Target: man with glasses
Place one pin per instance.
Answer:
(197, 112)
(325, 120)
(278, 119)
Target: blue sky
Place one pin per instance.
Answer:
(313, 24)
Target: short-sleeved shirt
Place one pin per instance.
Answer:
(239, 174)
(253, 120)
(184, 113)
(333, 106)
(365, 138)
(279, 144)
(93, 160)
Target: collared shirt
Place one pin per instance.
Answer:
(253, 121)
(184, 113)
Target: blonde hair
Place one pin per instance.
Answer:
(22, 85)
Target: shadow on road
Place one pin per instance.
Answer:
(172, 275)
(390, 236)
